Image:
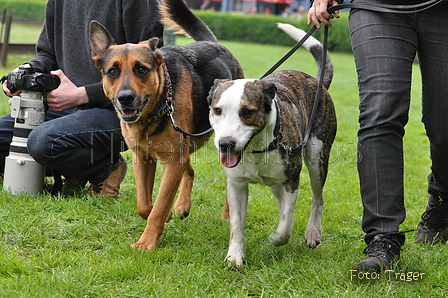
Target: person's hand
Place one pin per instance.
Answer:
(7, 91)
(67, 95)
(318, 13)
(5, 83)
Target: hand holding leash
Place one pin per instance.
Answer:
(318, 13)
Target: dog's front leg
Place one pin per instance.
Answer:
(237, 195)
(171, 177)
(286, 203)
(144, 172)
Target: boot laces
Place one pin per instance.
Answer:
(381, 247)
(436, 217)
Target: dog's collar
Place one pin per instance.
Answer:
(278, 130)
(167, 107)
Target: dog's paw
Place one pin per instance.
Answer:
(182, 211)
(142, 246)
(312, 238)
(234, 260)
(182, 206)
(279, 239)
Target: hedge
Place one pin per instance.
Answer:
(25, 9)
(257, 28)
(263, 29)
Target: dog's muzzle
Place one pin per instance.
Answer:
(228, 155)
(130, 105)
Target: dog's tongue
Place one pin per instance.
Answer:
(229, 160)
(129, 113)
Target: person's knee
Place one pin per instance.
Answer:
(37, 145)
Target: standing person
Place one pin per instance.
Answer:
(81, 137)
(384, 46)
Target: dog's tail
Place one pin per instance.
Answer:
(178, 17)
(314, 47)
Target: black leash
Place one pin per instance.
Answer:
(168, 108)
(402, 9)
(363, 5)
(289, 54)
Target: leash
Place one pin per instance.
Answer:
(168, 108)
(401, 9)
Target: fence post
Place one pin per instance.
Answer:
(5, 44)
(169, 38)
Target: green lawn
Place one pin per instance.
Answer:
(24, 33)
(79, 246)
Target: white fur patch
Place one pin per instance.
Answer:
(297, 34)
(229, 123)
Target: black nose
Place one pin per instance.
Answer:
(126, 97)
(226, 144)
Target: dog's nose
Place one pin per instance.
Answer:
(126, 97)
(226, 144)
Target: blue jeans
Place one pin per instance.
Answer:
(83, 144)
(384, 46)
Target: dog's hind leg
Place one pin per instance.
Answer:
(225, 214)
(237, 194)
(286, 203)
(317, 168)
(183, 202)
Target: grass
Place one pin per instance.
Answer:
(24, 33)
(73, 245)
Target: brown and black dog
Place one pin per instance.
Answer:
(149, 88)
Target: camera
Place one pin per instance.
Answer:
(22, 172)
(25, 79)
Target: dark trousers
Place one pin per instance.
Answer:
(385, 46)
(83, 144)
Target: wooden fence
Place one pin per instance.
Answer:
(9, 47)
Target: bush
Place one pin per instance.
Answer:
(25, 9)
(257, 28)
(262, 29)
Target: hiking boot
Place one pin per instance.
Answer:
(433, 227)
(381, 253)
(111, 186)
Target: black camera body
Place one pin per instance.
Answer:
(25, 79)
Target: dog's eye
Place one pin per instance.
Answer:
(248, 113)
(142, 70)
(112, 72)
(218, 111)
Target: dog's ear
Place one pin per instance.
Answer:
(153, 46)
(153, 43)
(271, 90)
(216, 84)
(100, 41)
(268, 90)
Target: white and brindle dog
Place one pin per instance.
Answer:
(258, 126)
